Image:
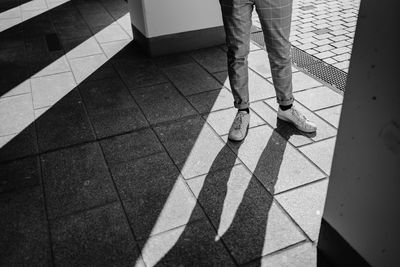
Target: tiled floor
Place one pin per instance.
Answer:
(109, 157)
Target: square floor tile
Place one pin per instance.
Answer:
(118, 121)
(131, 146)
(76, 179)
(212, 101)
(273, 161)
(111, 33)
(22, 88)
(191, 79)
(244, 213)
(16, 113)
(324, 130)
(104, 95)
(112, 48)
(81, 47)
(212, 59)
(331, 115)
(306, 206)
(318, 98)
(139, 73)
(304, 254)
(99, 236)
(287, 131)
(83, 67)
(302, 81)
(23, 229)
(55, 66)
(19, 145)
(321, 153)
(60, 127)
(221, 121)
(194, 147)
(162, 103)
(189, 245)
(19, 174)
(154, 209)
(48, 90)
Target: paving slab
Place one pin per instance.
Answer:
(321, 153)
(21, 145)
(15, 113)
(24, 237)
(76, 179)
(139, 75)
(304, 254)
(212, 59)
(18, 174)
(154, 209)
(306, 206)
(331, 115)
(189, 245)
(212, 101)
(191, 79)
(319, 98)
(277, 164)
(162, 103)
(47, 90)
(99, 236)
(60, 127)
(83, 67)
(130, 146)
(194, 147)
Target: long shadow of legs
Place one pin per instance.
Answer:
(237, 205)
(199, 242)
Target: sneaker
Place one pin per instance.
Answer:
(294, 116)
(240, 126)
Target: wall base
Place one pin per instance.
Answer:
(179, 42)
(335, 250)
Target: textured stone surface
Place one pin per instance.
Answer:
(321, 153)
(193, 244)
(331, 115)
(130, 146)
(76, 179)
(318, 98)
(19, 174)
(99, 236)
(191, 78)
(162, 103)
(306, 206)
(211, 101)
(194, 147)
(23, 229)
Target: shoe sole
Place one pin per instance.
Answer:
(297, 127)
(237, 141)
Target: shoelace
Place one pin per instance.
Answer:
(297, 114)
(238, 121)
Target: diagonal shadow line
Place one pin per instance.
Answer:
(246, 234)
(10, 4)
(71, 125)
(24, 49)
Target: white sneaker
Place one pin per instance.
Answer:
(294, 116)
(240, 126)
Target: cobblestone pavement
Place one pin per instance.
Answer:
(111, 158)
(324, 29)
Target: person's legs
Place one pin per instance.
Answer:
(275, 18)
(237, 23)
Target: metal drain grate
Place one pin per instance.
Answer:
(312, 65)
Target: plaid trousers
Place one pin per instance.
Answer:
(275, 18)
